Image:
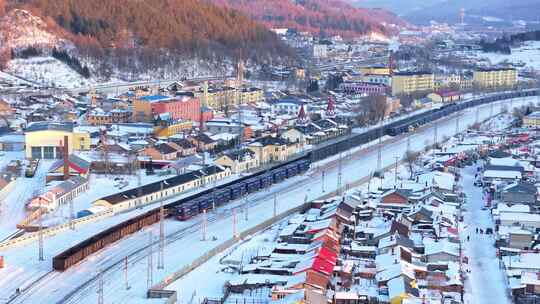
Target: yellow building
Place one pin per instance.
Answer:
(374, 70)
(238, 161)
(250, 95)
(166, 128)
(410, 82)
(532, 120)
(45, 140)
(218, 98)
(495, 78)
(272, 149)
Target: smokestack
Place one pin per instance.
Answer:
(66, 158)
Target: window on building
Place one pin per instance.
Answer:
(36, 152)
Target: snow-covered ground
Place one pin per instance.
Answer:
(486, 281)
(528, 53)
(48, 71)
(23, 267)
(12, 209)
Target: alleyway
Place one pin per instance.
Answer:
(486, 282)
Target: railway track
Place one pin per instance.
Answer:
(142, 253)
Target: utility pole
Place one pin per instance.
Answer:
(435, 135)
(323, 174)
(477, 114)
(235, 235)
(379, 153)
(100, 287)
(40, 233)
(71, 215)
(275, 204)
(491, 110)
(126, 282)
(149, 270)
(246, 214)
(395, 171)
(340, 169)
(161, 256)
(204, 225)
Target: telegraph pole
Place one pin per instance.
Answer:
(71, 215)
(100, 287)
(323, 174)
(161, 256)
(246, 214)
(435, 135)
(340, 169)
(395, 171)
(204, 225)
(275, 204)
(409, 142)
(40, 233)
(149, 270)
(477, 114)
(379, 154)
(126, 273)
(235, 235)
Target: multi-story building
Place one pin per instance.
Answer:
(375, 70)
(495, 77)
(361, 87)
(45, 140)
(179, 108)
(98, 117)
(377, 78)
(532, 120)
(410, 82)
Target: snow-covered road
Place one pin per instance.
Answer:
(185, 249)
(485, 282)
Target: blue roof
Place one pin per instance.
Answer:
(152, 98)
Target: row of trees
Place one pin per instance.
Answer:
(505, 43)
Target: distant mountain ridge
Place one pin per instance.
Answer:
(423, 11)
(330, 17)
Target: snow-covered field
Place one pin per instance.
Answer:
(528, 53)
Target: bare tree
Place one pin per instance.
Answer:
(410, 158)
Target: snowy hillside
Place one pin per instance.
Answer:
(47, 71)
(20, 29)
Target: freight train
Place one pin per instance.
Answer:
(188, 207)
(183, 209)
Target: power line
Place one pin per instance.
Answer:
(161, 256)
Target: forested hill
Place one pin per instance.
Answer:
(331, 17)
(187, 26)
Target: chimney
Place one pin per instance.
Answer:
(66, 158)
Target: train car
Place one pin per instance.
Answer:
(80, 251)
(253, 184)
(238, 190)
(267, 180)
(206, 203)
(291, 170)
(187, 210)
(279, 175)
(222, 196)
(303, 165)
